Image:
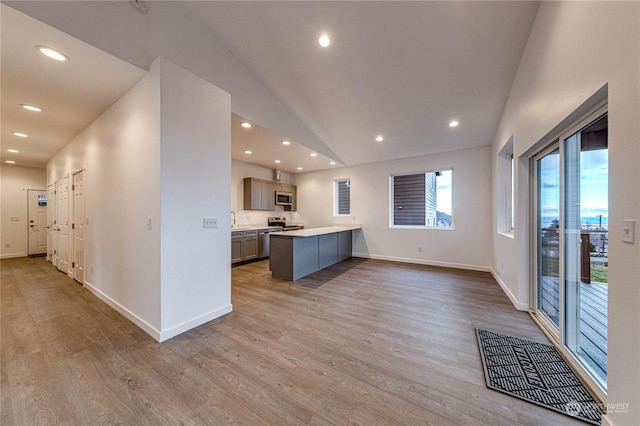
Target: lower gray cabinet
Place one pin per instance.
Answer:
(327, 250)
(293, 257)
(250, 245)
(236, 246)
(344, 245)
(244, 245)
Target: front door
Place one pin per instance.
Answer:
(37, 209)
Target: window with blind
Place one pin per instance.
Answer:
(422, 199)
(342, 197)
(506, 183)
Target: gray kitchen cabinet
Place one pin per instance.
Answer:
(250, 245)
(236, 246)
(259, 194)
(344, 245)
(294, 200)
(244, 245)
(283, 187)
(327, 250)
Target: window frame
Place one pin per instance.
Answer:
(336, 199)
(506, 217)
(392, 205)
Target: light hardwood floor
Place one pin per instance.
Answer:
(361, 343)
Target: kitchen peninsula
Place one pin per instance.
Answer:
(295, 254)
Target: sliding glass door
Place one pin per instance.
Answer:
(571, 284)
(548, 236)
(586, 235)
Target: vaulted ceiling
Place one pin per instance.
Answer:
(401, 70)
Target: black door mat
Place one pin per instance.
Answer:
(537, 373)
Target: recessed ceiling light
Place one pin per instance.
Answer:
(10, 162)
(277, 161)
(247, 151)
(379, 138)
(324, 40)
(20, 135)
(313, 154)
(333, 163)
(31, 108)
(286, 143)
(299, 168)
(15, 151)
(53, 54)
(245, 124)
(454, 123)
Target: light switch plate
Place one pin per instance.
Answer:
(210, 222)
(629, 231)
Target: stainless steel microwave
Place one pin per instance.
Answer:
(284, 198)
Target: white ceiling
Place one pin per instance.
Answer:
(71, 94)
(266, 147)
(399, 69)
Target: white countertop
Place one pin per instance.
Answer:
(251, 227)
(312, 232)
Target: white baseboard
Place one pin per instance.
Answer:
(518, 305)
(424, 262)
(148, 328)
(13, 255)
(195, 322)
(163, 335)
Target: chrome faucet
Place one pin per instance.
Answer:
(234, 217)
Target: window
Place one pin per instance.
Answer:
(342, 197)
(506, 195)
(510, 194)
(422, 199)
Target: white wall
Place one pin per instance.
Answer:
(574, 50)
(14, 183)
(120, 152)
(241, 170)
(466, 246)
(195, 180)
(159, 154)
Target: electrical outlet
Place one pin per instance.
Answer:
(419, 249)
(7, 245)
(210, 222)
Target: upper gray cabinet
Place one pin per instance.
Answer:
(259, 194)
(284, 187)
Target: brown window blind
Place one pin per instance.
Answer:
(409, 200)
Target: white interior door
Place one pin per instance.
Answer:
(78, 226)
(62, 228)
(51, 222)
(37, 212)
